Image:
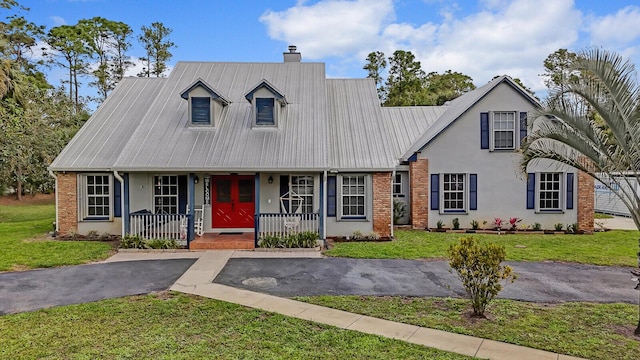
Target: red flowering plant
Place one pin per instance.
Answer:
(497, 223)
(514, 222)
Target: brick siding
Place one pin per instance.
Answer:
(419, 196)
(67, 202)
(585, 202)
(382, 203)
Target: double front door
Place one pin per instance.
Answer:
(233, 202)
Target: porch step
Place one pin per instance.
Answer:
(223, 242)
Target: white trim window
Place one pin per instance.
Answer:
(397, 185)
(97, 203)
(550, 191)
(453, 192)
(302, 186)
(165, 194)
(353, 196)
(504, 130)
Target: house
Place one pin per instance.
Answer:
(222, 148)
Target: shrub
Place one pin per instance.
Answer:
(138, 242)
(161, 244)
(478, 266)
(357, 235)
(475, 225)
(456, 224)
(92, 235)
(132, 242)
(536, 227)
(399, 210)
(440, 224)
(373, 236)
(559, 226)
(304, 239)
(514, 222)
(572, 228)
(269, 241)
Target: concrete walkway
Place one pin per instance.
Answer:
(616, 223)
(198, 280)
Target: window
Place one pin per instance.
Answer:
(165, 194)
(303, 187)
(265, 111)
(201, 110)
(453, 192)
(397, 185)
(504, 130)
(353, 196)
(98, 199)
(549, 191)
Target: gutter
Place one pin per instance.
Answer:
(121, 180)
(53, 175)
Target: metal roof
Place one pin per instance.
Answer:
(407, 123)
(359, 138)
(146, 128)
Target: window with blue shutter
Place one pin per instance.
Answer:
(284, 189)
(523, 126)
(569, 190)
(484, 130)
(435, 191)
(117, 198)
(531, 191)
(473, 191)
(331, 196)
(264, 111)
(201, 110)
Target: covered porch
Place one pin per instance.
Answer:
(222, 210)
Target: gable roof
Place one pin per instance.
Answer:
(215, 94)
(267, 85)
(459, 106)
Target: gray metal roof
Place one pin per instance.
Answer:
(459, 106)
(359, 138)
(146, 128)
(407, 123)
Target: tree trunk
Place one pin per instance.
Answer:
(19, 184)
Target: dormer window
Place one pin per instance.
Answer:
(201, 110)
(264, 111)
(263, 98)
(205, 103)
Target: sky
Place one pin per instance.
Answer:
(481, 38)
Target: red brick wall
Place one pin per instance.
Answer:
(382, 203)
(67, 202)
(585, 202)
(419, 196)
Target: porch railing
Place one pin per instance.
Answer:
(159, 226)
(285, 224)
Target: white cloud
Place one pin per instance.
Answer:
(58, 20)
(619, 31)
(503, 37)
(330, 27)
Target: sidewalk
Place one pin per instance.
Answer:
(198, 280)
(616, 223)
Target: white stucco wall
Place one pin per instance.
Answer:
(501, 188)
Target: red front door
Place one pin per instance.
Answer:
(233, 201)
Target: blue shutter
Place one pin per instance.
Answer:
(117, 198)
(531, 191)
(523, 126)
(473, 191)
(284, 188)
(569, 190)
(200, 110)
(331, 196)
(435, 191)
(484, 130)
(183, 190)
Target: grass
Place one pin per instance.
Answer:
(569, 328)
(24, 245)
(602, 216)
(178, 326)
(613, 248)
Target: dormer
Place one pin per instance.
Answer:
(264, 99)
(205, 103)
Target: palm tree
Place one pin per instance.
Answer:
(597, 132)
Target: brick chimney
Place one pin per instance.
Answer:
(292, 55)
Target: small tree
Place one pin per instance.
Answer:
(478, 267)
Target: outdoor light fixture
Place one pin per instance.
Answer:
(196, 179)
(270, 180)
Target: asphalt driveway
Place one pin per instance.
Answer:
(538, 282)
(37, 289)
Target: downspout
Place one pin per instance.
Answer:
(122, 212)
(53, 175)
(393, 176)
(324, 208)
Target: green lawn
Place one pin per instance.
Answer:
(178, 326)
(593, 331)
(603, 248)
(24, 246)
